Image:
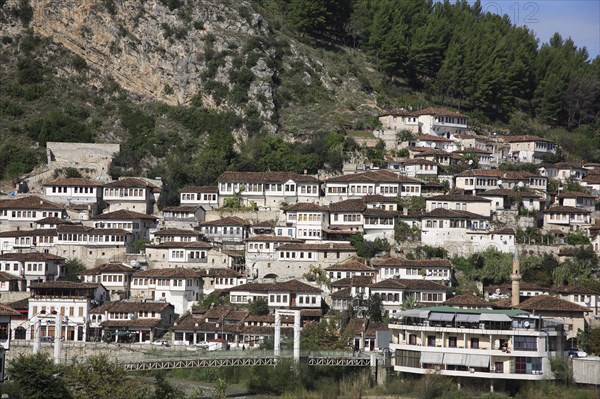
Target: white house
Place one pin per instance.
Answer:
(291, 294)
(115, 277)
(394, 293)
(134, 194)
(69, 299)
(358, 185)
(206, 196)
(460, 202)
(567, 219)
(349, 268)
(137, 224)
(178, 286)
(74, 190)
(421, 269)
(32, 266)
(24, 212)
(308, 219)
(529, 148)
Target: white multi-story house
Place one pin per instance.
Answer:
(379, 223)
(74, 190)
(460, 202)
(178, 286)
(422, 269)
(33, 266)
(578, 200)
(479, 180)
(579, 295)
(349, 268)
(219, 279)
(563, 171)
(90, 245)
(71, 300)
(483, 158)
(462, 232)
(529, 148)
(592, 182)
(205, 196)
(567, 219)
(441, 157)
(189, 254)
(505, 199)
(175, 235)
(441, 122)
(289, 294)
(308, 220)
(475, 343)
(359, 185)
(419, 168)
(135, 223)
(293, 260)
(230, 231)
(130, 321)
(268, 189)
(435, 142)
(182, 216)
(394, 293)
(24, 212)
(115, 277)
(347, 215)
(129, 193)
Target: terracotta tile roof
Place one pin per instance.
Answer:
(20, 304)
(108, 268)
(575, 194)
(549, 303)
(408, 284)
(431, 137)
(188, 321)
(501, 174)
(218, 272)
(131, 307)
(425, 152)
(458, 197)
(4, 276)
(399, 262)
(182, 208)
(524, 138)
(416, 161)
(232, 253)
(373, 327)
(467, 300)
(54, 220)
(271, 238)
(351, 265)
(565, 209)
(177, 272)
(31, 257)
(6, 310)
(592, 179)
(29, 233)
(75, 182)
(317, 247)
(182, 244)
(377, 176)
(265, 177)
(376, 198)
(130, 182)
(472, 150)
(177, 232)
(439, 112)
(31, 202)
(305, 207)
(505, 231)
(452, 214)
(124, 214)
(136, 323)
(356, 326)
(227, 221)
(344, 293)
(286, 286)
(573, 289)
(375, 212)
(65, 285)
(200, 189)
(350, 205)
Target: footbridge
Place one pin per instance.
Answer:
(152, 361)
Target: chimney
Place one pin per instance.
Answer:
(515, 277)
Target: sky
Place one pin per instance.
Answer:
(579, 19)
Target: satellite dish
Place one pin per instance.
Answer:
(520, 184)
(499, 182)
(470, 162)
(526, 324)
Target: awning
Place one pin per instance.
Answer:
(447, 317)
(431, 357)
(467, 318)
(478, 361)
(494, 317)
(455, 359)
(419, 313)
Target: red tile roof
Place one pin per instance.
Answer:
(468, 300)
(524, 138)
(32, 202)
(549, 303)
(200, 189)
(31, 257)
(376, 176)
(399, 262)
(124, 214)
(108, 268)
(74, 182)
(565, 209)
(350, 265)
(227, 221)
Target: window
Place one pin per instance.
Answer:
(452, 342)
(431, 340)
(525, 343)
(474, 343)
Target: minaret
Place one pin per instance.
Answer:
(515, 277)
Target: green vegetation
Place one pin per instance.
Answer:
(368, 249)
(72, 268)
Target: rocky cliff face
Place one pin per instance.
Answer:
(162, 54)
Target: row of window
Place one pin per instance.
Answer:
(29, 214)
(76, 190)
(305, 217)
(124, 192)
(199, 197)
(90, 238)
(63, 310)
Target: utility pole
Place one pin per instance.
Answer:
(57, 338)
(37, 338)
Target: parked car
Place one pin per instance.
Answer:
(574, 352)
(161, 343)
(48, 339)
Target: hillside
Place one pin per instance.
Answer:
(193, 88)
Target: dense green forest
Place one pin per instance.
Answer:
(402, 54)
